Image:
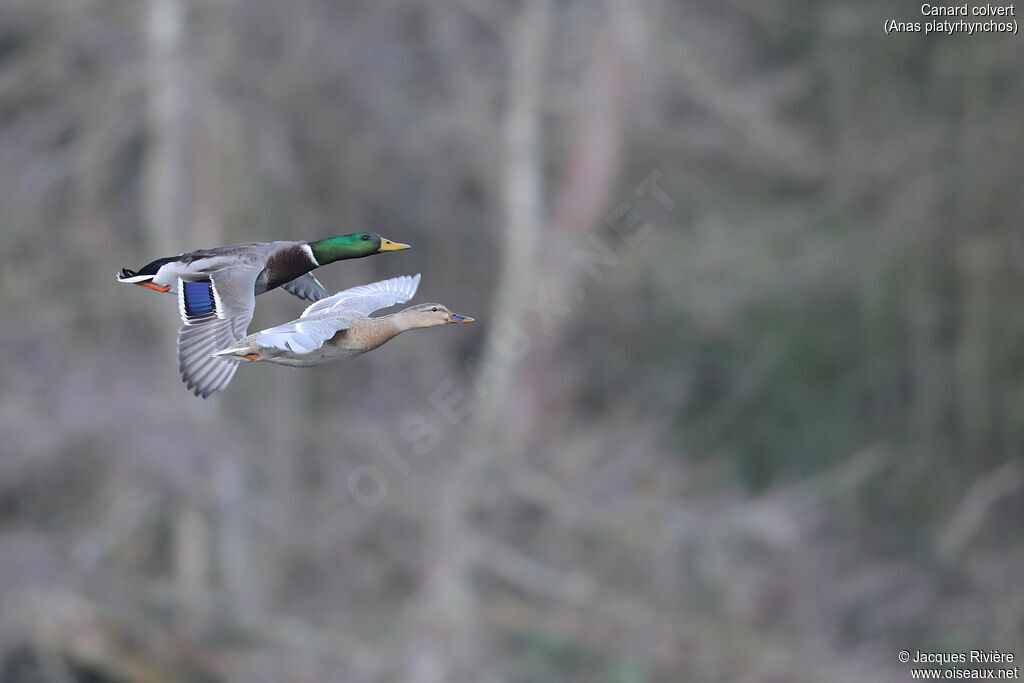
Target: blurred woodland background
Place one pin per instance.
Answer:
(744, 400)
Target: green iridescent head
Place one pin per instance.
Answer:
(356, 245)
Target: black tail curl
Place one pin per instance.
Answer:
(149, 268)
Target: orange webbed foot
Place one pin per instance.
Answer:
(155, 288)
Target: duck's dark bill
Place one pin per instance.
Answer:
(456, 318)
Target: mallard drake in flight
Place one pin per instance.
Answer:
(340, 327)
(216, 290)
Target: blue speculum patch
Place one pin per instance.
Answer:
(198, 298)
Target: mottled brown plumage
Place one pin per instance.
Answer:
(340, 327)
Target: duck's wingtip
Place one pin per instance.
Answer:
(414, 284)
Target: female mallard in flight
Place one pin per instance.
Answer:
(339, 327)
(216, 290)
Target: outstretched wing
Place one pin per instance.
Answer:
(215, 311)
(366, 299)
(306, 287)
(326, 317)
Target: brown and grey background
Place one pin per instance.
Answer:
(743, 401)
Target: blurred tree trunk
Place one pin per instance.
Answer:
(587, 180)
(975, 265)
(166, 199)
(929, 370)
(167, 224)
(171, 208)
(231, 466)
(523, 220)
(450, 643)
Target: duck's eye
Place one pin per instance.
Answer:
(366, 237)
(434, 309)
